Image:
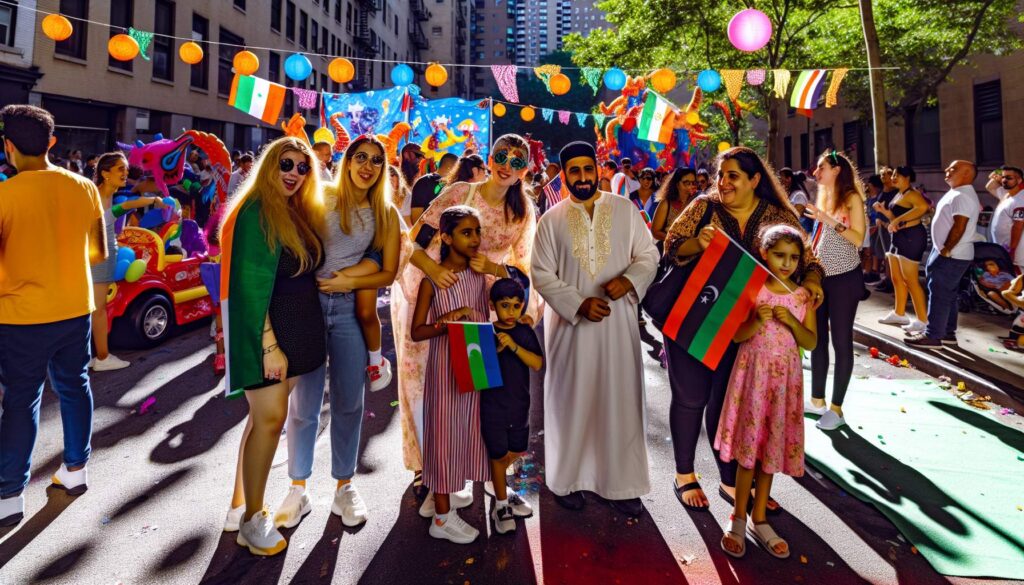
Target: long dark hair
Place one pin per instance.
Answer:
(669, 190)
(106, 162)
(847, 183)
(768, 188)
(518, 195)
(773, 234)
(450, 219)
(463, 169)
(797, 180)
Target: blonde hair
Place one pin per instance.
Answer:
(379, 194)
(295, 222)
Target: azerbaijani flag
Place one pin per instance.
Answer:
(808, 89)
(652, 126)
(474, 356)
(257, 97)
(715, 300)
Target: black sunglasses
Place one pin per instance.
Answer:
(287, 164)
(360, 158)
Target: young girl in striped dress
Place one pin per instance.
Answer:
(453, 447)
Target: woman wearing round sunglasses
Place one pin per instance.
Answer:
(508, 224)
(273, 327)
(361, 249)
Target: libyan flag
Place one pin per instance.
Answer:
(715, 300)
(474, 356)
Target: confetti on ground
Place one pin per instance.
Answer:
(146, 404)
(1006, 411)
(994, 350)
(105, 520)
(688, 559)
(803, 560)
(470, 561)
(370, 414)
(913, 549)
(394, 403)
(903, 409)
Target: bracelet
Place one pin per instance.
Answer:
(270, 349)
(516, 350)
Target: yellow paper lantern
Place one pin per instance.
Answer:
(57, 27)
(341, 70)
(527, 114)
(436, 75)
(663, 80)
(246, 63)
(122, 47)
(723, 146)
(499, 110)
(190, 52)
(560, 84)
(323, 135)
(693, 118)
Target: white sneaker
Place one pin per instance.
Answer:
(380, 376)
(349, 505)
(504, 519)
(520, 507)
(295, 505)
(111, 363)
(914, 327)
(12, 510)
(233, 521)
(893, 319)
(260, 536)
(809, 408)
(454, 529)
(830, 421)
(457, 501)
(73, 482)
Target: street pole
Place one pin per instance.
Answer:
(878, 112)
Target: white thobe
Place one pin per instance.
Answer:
(594, 419)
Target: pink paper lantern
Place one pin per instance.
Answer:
(750, 30)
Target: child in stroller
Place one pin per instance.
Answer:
(1014, 296)
(990, 273)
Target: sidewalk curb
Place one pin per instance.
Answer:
(926, 361)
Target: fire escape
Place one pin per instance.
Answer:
(366, 40)
(420, 14)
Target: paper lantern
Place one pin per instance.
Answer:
(723, 146)
(190, 53)
(401, 75)
(663, 80)
(499, 110)
(615, 79)
(297, 67)
(560, 84)
(57, 27)
(323, 135)
(709, 80)
(246, 63)
(341, 70)
(750, 30)
(693, 118)
(527, 114)
(122, 47)
(436, 75)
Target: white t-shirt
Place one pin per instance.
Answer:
(959, 201)
(1002, 218)
(631, 184)
(798, 198)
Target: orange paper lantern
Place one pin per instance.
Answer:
(436, 75)
(122, 47)
(663, 80)
(560, 84)
(246, 63)
(499, 110)
(527, 114)
(190, 52)
(57, 27)
(341, 70)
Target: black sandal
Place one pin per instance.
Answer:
(750, 503)
(686, 488)
(419, 490)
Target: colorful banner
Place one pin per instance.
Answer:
(372, 112)
(450, 125)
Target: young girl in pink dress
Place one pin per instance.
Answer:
(762, 424)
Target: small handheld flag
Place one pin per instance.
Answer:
(553, 191)
(474, 356)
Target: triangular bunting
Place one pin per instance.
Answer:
(600, 118)
(592, 77)
(564, 116)
(781, 82)
(545, 73)
(547, 114)
(143, 38)
(306, 98)
(505, 75)
(807, 89)
(755, 76)
(581, 119)
(733, 79)
(832, 96)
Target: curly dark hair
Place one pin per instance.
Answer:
(669, 190)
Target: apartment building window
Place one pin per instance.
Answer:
(858, 143)
(323, 38)
(314, 36)
(120, 19)
(804, 152)
(436, 31)
(275, 67)
(923, 137)
(74, 46)
(275, 15)
(225, 55)
(240, 4)
(823, 140)
(8, 22)
(289, 21)
(337, 11)
(303, 28)
(163, 46)
(348, 16)
(396, 24)
(199, 76)
(327, 7)
(988, 123)
(323, 82)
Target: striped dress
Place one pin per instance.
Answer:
(453, 446)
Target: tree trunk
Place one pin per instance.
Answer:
(878, 111)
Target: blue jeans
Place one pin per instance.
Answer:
(346, 363)
(943, 276)
(28, 353)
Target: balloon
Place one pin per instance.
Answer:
(499, 110)
(190, 52)
(723, 146)
(693, 118)
(120, 268)
(436, 75)
(125, 253)
(245, 63)
(122, 47)
(57, 27)
(527, 114)
(297, 67)
(750, 30)
(560, 84)
(323, 135)
(341, 70)
(401, 75)
(663, 80)
(135, 271)
(615, 79)
(709, 80)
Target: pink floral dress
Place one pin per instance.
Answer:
(763, 417)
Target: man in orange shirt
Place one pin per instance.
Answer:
(51, 230)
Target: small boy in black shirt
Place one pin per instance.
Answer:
(505, 411)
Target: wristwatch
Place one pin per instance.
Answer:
(839, 227)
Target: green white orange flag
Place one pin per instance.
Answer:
(652, 126)
(257, 97)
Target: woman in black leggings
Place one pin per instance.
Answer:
(840, 221)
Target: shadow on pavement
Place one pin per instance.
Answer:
(161, 485)
(57, 501)
(181, 554)
(1011, 437)
(63, 564)
(232, 564)
(323, 557)
(208, 425)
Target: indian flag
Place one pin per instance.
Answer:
(808, 89)
(652, 125)
(257, 97)
(474, 356)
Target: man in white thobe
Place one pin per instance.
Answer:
(593, 259)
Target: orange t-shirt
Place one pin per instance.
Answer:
(46, 222)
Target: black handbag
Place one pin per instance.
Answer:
(664, 291)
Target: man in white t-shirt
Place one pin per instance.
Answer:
(955, 221)
(625, 182)
(1007, 185)
(238, 177)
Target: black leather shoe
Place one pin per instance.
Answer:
(632, 507)
(573, 501)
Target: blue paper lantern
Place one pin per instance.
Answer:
(401, 75)
(615, 79)
(709, 80)
(297, 67)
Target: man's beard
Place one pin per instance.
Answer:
(574, 188)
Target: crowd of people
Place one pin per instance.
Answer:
(307, 244)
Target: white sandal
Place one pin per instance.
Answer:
(765, 535)
(735, 532)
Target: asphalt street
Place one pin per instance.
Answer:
(160, 481)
